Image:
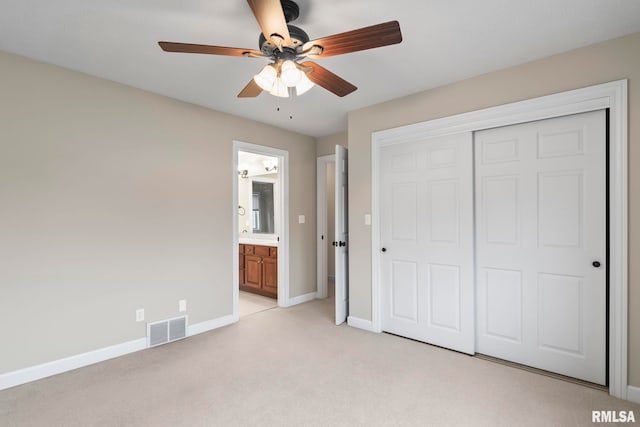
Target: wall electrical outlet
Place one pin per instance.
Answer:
(182, 305)
(140, 315)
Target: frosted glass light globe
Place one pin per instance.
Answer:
(266, 78)
(304, 85)
(290, 74)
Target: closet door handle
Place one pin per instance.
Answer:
(384, 249)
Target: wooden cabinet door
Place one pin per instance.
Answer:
(270, 275)
(241, 265)
(253, 271)
(241, 270)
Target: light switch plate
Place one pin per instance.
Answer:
(182, 305)
(301, 219)
(140, 315)
(367, 219)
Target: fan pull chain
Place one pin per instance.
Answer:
(290, 114)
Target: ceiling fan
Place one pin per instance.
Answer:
(287, 46)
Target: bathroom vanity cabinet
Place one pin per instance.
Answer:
(259, 269)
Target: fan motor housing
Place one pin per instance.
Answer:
(298, 38)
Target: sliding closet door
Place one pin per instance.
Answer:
(426, 223)
(541, 254)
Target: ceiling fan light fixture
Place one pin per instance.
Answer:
(266, 78)
(304, 85)
(289, 73)
(279, 89)
(284, 45)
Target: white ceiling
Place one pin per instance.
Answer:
(444, 41)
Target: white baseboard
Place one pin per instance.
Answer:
(633, 394)
(301, 299)
(210, 325)
(356, 322)
(33, 373)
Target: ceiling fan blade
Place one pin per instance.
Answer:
(207, 49)
(371, 37)
(325, 78)
(251, 90)
(271, 19)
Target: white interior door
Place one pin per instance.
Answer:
(426, 234)
(341, 236)
(541, 233)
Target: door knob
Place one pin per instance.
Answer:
(384, 249)
(333, 243)
(596, 264)
(341, 244)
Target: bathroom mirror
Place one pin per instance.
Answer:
(262, 207)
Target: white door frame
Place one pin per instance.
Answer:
(283, 233)
(322, 225)
(611, 95)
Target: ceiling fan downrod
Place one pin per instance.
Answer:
(290, 9)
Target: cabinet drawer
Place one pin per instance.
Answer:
(262, 250)
(273, 252)
(248, 249)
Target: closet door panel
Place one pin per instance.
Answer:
(427, 234)
(540, 239)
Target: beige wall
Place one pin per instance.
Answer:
(113, 199)
(327, 144)
(600, 63)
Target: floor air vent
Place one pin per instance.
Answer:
(165, 331)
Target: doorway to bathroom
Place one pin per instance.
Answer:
(260, 230)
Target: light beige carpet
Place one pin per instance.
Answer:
(294, 367)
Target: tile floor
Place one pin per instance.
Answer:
(249, 303)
